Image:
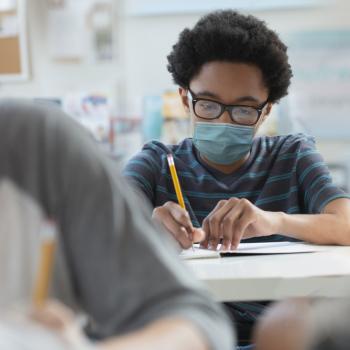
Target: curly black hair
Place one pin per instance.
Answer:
(232, 37)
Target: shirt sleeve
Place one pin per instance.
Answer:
(143, 171)
(314, 178)
(124, 272)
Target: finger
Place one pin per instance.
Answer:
(215, 222)
(228, 225)
(178, 231)
(47, 318)
(180, 215)
(241, 227)
(164, 217)
(198, 235)
(246, 218)
(60, 310)
(206, 226)
(219, 205)
(53, 310)
(204, 244)
(226, 239)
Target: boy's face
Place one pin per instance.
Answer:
(231, 84)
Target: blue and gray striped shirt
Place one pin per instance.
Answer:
(282, 173)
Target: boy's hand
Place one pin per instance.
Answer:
(177, 221)
(235, 219)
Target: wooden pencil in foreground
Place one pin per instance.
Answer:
(44, 273)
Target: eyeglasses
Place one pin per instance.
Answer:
(209, 109)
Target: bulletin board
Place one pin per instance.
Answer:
(13, 42)
(319, 97)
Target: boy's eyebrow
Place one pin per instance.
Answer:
(241, 99)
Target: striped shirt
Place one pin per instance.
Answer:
(282, 173)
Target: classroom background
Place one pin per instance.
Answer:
(104, 63)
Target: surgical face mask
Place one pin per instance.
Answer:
(222, 143)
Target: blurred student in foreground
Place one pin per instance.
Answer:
(305, 324)
(112, 265)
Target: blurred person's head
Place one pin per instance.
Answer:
(233, 59)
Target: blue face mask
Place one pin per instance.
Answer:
(223, 143)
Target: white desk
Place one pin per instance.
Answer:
(273, 277)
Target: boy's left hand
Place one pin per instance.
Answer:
(235, 219)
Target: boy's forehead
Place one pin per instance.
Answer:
(229, 81)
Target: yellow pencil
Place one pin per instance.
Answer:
(176, 182)
(43, 278)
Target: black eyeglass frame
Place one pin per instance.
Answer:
(224, 108)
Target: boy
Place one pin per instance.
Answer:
(231, 69)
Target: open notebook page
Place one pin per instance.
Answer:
(263, 248)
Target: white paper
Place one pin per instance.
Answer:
(198, 253)
(253, 249)
(66, 34)
(319, 96)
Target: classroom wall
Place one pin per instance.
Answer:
(50, 78)
(143, 43)
(148, 39)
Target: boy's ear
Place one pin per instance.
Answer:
(267, 111)
(184, 99)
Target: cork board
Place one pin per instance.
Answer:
(13, 43)
(10, 57)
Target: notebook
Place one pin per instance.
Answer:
(264, 248)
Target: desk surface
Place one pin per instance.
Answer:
(273, 277)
